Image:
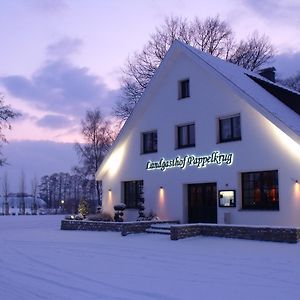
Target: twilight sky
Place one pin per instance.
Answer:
(61, 57)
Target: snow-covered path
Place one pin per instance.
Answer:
(38, 261)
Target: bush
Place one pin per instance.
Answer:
(103, 216)
(149, 217)
(83, 208)
(79, 217)
(74, 217)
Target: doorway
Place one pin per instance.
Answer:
(202, 203)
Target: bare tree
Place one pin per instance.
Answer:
(211, 35)
(6, 115)
(98, 136)
(22, 194)
(253, 53)
(292, 82)
(34, 191)
(5, 189)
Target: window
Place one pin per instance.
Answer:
(149, 142)
(230, 129)
(186, 136)
(260, 190)
(133, 193)
(184, 89)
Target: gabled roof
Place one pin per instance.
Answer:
(278, 104)
(289, 97)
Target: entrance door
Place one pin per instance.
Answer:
(202, 203)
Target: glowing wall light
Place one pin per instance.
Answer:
(109, 198)
(114, 162)
(286, 141)
(161, 196)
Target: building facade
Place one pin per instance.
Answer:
(208, 142)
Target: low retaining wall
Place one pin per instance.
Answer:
(123, 227)
(90, 225)
(274, 234)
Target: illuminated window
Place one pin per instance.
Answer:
(260, 190)
(186, 136)
(227, 198)
(149, 142)
(133, 193)
(230, 129)
(184, 89)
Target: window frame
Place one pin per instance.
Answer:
(232, 138)
(127, 199)
(183, 91)
(179, 144)
(143, 142)
(263, 191)
(232, 201)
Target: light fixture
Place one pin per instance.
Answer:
(161, 188)
(109, 190)
(295, 180)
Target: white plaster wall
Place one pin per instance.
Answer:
(263, 147)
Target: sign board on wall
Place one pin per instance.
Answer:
(215, 158)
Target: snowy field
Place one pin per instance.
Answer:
(38, 261)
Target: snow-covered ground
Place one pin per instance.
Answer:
(39, 261)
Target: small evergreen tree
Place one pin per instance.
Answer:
(83, 208)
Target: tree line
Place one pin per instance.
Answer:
(63, 191)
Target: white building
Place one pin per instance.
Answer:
(208, 142)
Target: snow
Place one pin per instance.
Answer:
(259, 97)
(39, 261)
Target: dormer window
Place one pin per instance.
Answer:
(184, 89)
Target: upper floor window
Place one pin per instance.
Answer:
(186, 136)
(230, 128)
(260, 190)
(133, 193)
(149, 142)
(184, 89)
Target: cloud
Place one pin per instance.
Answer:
(36, 158)
(54, 122)
(48, 6)
(62, 87)
(287, 64)
(280, 11)
(64, 47)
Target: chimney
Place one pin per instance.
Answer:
(268, 73)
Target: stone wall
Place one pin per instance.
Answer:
(274, 234)
(90, 225)
(123, 227)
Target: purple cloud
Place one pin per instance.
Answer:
(36, 158)
(54, 122)
(281, 11)
(48, 6)
(64, 47)
(287, 64)
(62, 87)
